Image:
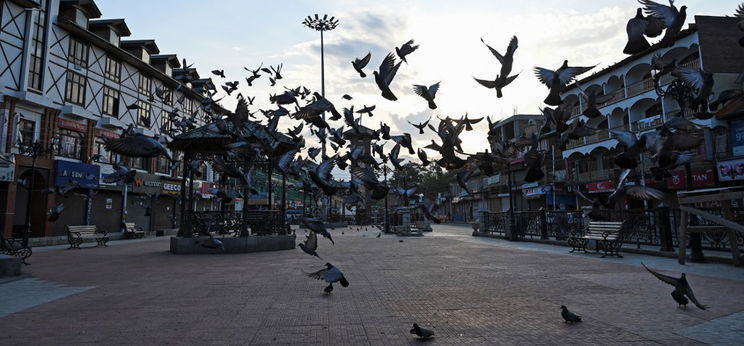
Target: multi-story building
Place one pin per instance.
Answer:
(493, 193)
(629, 100)
(69, 80)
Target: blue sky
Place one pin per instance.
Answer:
(232, 34)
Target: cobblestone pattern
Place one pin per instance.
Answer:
(468, 293)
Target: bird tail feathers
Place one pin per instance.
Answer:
(344, 282)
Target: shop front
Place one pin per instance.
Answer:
(77, 202)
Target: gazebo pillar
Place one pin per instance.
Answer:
(182, 225)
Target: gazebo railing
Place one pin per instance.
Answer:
(238, 223)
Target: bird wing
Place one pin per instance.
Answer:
(663, 12)
(584, 197)
(636, 27)
(486, 83)
(494, 52)
(319, 275)
(627, 138)
(365, 60)
(388, 68)
(691, 295)
(421, 90)
(513, 44)
(333, 274)
(544, 75)
(569, 73)
(691, 76)
(654, 26)
(665, 278)
(740, 10)
(645, 192)
(365, 174)
(395, 151)
(433, 89)
(325, 168)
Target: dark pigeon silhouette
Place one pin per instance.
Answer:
(569, 316)
(422, 333)
(681, 289)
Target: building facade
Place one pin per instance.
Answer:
(68, 80)
(627, 97)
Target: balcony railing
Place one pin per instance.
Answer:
(646, 125)
(597, 174)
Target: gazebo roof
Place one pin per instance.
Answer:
(209, 139)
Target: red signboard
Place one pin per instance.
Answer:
(72, 125)
(106, 134)
(701, 177)
(601, 186)
(206, 186)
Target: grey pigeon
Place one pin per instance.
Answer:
(359, 64)
(212, 243)
(55, 213)
(311, 245)
(137, 146)
(427, 93)
(638, 27)
(672, 18)
(422, 333)
(681, 288)
(317, 226)
(383, 78)
(556, 80)
(569, 316)
(331, 275)
(405, 49)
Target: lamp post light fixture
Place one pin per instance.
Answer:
(322, 24)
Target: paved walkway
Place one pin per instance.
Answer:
(468, 290)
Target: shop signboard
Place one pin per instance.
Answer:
(170, 186)
(146, 183)
(737, 137)
(730, 170)
(536, 191)
(84, 174)
(601, 186)
(205, 189)
(72, 125)
(701, 177)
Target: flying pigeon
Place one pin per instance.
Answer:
(359, 64)
(639, 26)
(310, 245)
(672, 18)
(388, 69)
(405, 49)
(681, 288)
(555, 80)
(427, 93)
(420, 126)
(317, 226)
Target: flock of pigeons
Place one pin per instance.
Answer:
(254, 139)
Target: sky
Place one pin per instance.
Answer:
(232, 34)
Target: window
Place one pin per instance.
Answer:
(35, 68)
(70, 144)
(78, 53)
(139, 163)
(167, 96)
(143, 114)
(162, 165)
(187, 105)
(26, 132)
(166, 124)
(113, 69)
(111, 102)
(104, 156)
(145, 85)
(75, 89)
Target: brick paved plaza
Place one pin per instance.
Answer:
(468, 290)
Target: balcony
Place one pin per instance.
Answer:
(648, 123)
(601, 135)
(597, 175)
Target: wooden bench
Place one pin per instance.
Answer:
(76, 235)
(132, 231)
(606, 234)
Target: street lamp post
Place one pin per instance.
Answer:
(322, 24)
(387, 221)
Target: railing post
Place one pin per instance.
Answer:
(543, 225)
(484, 221)
(665, 229)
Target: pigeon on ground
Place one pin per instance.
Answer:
(427, 93)
(422, 333)
(310, 245)
(330, 274)
(388, 69)
(569, 316)
(405, 49)
(379, 234)
(681, 288)
(212, 243)
(359, 64)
